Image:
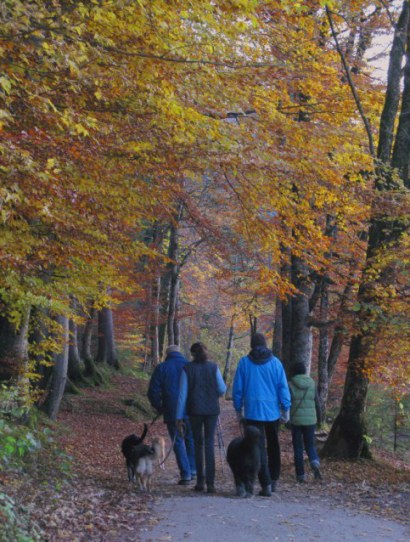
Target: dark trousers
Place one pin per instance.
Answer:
(303, 436)
(183, 449)
(203, 430)
(270, 459)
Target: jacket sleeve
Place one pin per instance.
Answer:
(221, 386)
(155, 390)
(182, 396)
(237, 388)
(283, 389)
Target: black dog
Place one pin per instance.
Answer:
(127, 447)
(244, 458)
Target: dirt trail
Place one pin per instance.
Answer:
(100, 505)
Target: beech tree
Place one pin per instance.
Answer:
(381, 276)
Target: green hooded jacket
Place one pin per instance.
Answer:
(303, 409)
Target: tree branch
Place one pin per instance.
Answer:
(365, 120)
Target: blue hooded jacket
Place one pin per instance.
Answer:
(260, 386)
(164, 385)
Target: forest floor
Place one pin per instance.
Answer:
(88, 497)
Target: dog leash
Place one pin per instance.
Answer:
(154, 419)
(169, 451)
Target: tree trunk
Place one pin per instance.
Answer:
(286, 319)
(106, 341)
(253, 324)
(401, 151)
(14, 348)
(74, 361)
(228, 361)
(177, 327)
(301, 341)
(59, 374)
(392, 99)
(347, 438)
(91, 370)
(323, 354)
(154, 328)
(277, 341)
(173, 285)
(86, 342)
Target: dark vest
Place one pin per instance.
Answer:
(202, 389)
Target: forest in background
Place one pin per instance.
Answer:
(175, 170)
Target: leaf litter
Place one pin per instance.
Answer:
(95, 502)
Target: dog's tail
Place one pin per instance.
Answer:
(144, 433)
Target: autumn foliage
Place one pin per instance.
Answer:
(232, 122)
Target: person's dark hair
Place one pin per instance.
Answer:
(258, 339)
(199, 353)
(298, 369)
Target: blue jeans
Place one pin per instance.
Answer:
(303, 438)
(203, 430)
(184, 449)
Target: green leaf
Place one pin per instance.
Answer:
(5, 84)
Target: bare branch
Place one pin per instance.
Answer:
(365, 120)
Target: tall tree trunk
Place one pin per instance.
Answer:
(59, 374)
(392, 98)
(106, 341)
(323, 353)
(74, 361)
(277, 340)
(347, 438)
(173, 286)
(154, 327)
(301, 342)
(91, 370)
(253, 324)
(14, 348)
(286, 319)
(163, 312)
(86, 342)
(401, 151)
(177, 327)
(228, 361)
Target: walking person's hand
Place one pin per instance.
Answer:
(180, 426)
(284, 416)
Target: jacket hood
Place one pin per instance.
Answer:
(301, 381)
(260, 355)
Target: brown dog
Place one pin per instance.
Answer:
(145, 458)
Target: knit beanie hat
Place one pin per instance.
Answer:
(172, 348)
(258, 339)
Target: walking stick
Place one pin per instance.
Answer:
(221, 445)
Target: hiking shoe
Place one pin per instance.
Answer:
(300, 478)
(266, 491)
(210, 489)
(199, 487)
(316, 472)
(274, 485)
(184, 482)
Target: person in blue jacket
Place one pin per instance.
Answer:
(163, 395)
(261, 398)
(201, 385)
